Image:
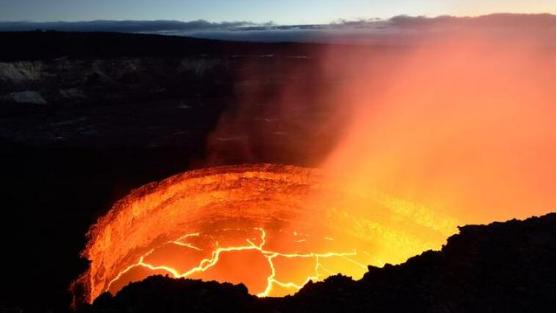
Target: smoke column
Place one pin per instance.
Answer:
(463, 125)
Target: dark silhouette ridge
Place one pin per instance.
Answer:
(500, 267)
(46, 45)
(51, 45)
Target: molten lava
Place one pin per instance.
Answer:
(271, 227)
(454, 130)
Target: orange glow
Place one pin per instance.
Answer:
(271, 227)
(208, 263)
(463, 126)
(450, 132)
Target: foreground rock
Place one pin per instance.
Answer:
(501, 267)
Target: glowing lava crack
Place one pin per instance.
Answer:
(270, 227)
(206, 264)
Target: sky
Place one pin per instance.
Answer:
(258, 11)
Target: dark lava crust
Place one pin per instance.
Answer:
(501, 267)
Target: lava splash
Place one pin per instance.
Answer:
(270, 227)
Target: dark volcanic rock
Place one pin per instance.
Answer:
(501, 267)
(158, 293)
(112, 91)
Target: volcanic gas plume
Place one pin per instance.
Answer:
(271, 227)
(453, 132)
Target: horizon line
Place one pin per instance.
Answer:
(272, 23)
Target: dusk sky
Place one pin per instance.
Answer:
(259, 11)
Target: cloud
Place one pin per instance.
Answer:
(121, 26)
(399, 29)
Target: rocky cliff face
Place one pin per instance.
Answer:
(501, 267)
(19, 72)
(162, 100)
(72, 102)
(64, 74)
